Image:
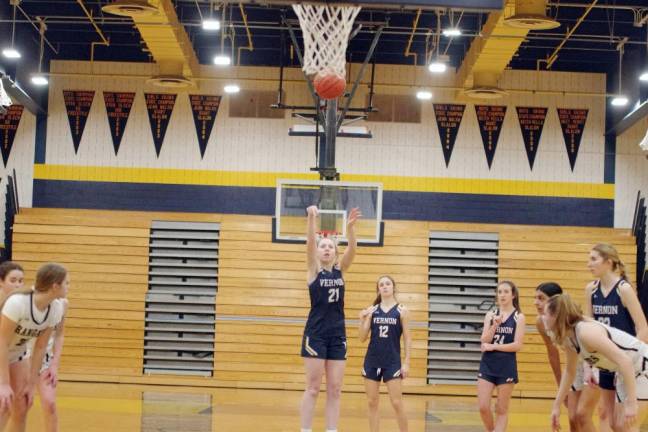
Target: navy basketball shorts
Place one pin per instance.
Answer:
(606, 380)
(497, 380)
(325, 348)
(385, 374)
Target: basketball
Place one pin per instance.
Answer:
(329, 86)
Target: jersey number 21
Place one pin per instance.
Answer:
(334, 295)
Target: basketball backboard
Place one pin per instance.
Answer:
(334, 199)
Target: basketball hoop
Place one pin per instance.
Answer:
(644, 142)
(326, 30)
(328, 234)
(5, 100)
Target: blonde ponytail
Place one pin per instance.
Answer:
(609, 252)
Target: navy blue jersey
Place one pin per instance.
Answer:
(499, 363)
(384, 346)
(610, 310)
(326, 316)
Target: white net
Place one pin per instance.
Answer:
(326, 32)
(5, 100)
(644, 142)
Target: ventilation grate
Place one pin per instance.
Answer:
(180, 303)
(461, 282)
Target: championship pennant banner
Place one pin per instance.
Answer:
(159, 107)
(77, 104)
(118, 108)
(204, 109)
(448, 119)
(490, 119)
(532, 121)
(572, 122)
(8, 127)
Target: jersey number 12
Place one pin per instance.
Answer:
(382, 331)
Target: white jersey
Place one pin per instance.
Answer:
(30, 321)
(630, 345)
(633, 347)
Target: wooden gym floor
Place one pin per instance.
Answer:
(91, 407)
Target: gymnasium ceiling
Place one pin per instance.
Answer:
(596, 30)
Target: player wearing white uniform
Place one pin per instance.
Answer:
(27, 316)
(604, 347)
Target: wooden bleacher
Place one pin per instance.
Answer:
(264, 283)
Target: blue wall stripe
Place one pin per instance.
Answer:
(153, 197)
(41, 137)
(610, 159)
(261, 201)
(611, 118)
(506, 209)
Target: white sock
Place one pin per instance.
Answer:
(306, 430)
(331, 430)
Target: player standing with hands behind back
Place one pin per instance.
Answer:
(324, 342)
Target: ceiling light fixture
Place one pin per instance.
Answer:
(222, 60)
(12, 52)
(620, 99)
(38, 78)
(452, 32)
(211, 24)
(424, 95)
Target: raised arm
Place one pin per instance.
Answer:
(350, 251)
(407, 341)
(311, 243)
(552, 351)
(631, 301)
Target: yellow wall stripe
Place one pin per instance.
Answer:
(269, 179)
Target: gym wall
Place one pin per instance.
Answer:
(245, 156)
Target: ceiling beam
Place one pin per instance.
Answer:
(490, 53)
(629, 120)
(168, 42)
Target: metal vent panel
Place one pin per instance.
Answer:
(180, 303)
(462, 276)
